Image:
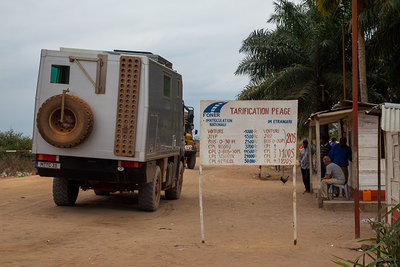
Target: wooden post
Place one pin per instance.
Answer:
(344, 60)
(388, 138)
(310, 158)
(379, 169)
(318, 137)
(201, 204)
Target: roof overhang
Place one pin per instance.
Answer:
(341, 111)
(329, 117)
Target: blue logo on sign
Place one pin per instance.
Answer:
(214, 109)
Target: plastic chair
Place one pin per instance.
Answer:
(340, 186)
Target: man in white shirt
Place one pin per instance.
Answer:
(334, 175)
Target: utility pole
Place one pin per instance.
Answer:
(355, 118)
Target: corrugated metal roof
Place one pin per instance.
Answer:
(390, 117)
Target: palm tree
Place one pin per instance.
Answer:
(383, 47)
(329, 7)
(300, 59)
(379, 38)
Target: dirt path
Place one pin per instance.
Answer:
(248, 222)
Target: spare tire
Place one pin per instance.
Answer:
(77, 123)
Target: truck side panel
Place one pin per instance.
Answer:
(165, 112)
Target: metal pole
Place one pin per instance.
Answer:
(294, 207)
(201, 204)
(355, 117)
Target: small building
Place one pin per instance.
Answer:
(342, 114)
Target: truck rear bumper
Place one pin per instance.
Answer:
(85, 169)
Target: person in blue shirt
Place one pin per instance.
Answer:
(340, 154)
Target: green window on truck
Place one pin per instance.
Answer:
(59, 74)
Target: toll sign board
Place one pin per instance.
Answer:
(261, 132)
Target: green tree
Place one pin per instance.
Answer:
(364, 6)
(383, 48)
(300, 59)
(14, 140)
(378, 45)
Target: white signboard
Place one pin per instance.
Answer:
(260, 132)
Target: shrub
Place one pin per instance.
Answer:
(16, 164)
(14, 140)
(386, 248)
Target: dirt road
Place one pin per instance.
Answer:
(248, 222)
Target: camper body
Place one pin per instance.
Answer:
(109, 121)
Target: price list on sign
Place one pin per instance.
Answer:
(248, 132)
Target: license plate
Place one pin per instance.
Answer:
(48, 165)
(188, 147)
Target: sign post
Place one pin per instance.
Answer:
(254, 133)
(201, 204)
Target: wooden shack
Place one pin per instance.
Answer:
(342, 114)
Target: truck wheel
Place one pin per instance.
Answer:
(150, 193)
(191, 161)
(175, 192)
(65, 191)
(77, 121)
(101, 193)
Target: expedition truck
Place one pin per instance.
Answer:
(109, 121)
(190, 146)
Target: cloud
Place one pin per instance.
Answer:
(201, 39)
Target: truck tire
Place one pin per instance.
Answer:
(150, 193)
(65, 191)
(191, 161)
(175, 192)
(101, 193)
(77, 125)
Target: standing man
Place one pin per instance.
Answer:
(304, 160)
(324, 150)
(334, 175)
(340, 154)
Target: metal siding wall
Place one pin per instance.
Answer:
(391, 117)
(165, 112)
(368, 153)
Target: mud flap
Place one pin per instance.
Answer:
(150, 170)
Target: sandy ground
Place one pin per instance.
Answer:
(248, 222)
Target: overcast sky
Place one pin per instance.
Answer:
(201, 38)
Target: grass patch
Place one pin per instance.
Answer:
(17, 164)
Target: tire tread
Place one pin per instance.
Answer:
(65, 192)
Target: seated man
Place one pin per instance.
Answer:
(334, 175)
